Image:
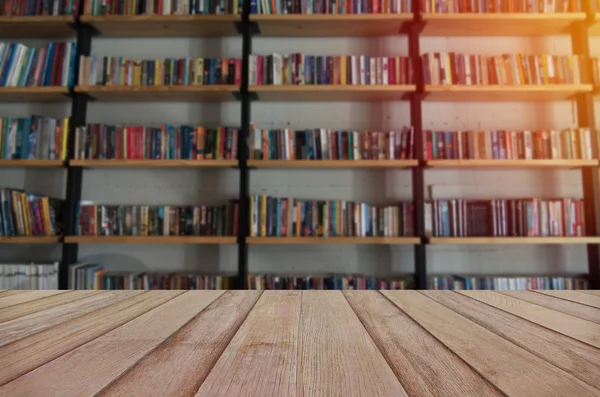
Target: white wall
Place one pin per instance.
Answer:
(377, 186)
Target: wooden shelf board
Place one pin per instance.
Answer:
(164, 25)
(485, 163)
(334, 240)
(504, 93)
(42, 27)
(34, 94)
(29, 240)
(328, 93)
(514, 240)
(164, 93)
(149, 240)
(32, 163)
(501, 24)
(153, 163)
(333, 163)
(594, 29)
(366, 25)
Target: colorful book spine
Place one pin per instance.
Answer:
(29, 276)
(500, 6)
(23, 214)
(465, 282)
(327, 282)
(33, 138)
(330, 7)
(163, 7)
(22, 8)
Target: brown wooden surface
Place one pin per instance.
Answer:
(29, 240)
(36, 27)
(150, 240)
(162, 93)
(327, 93)
(514, 240)
(299, 343)
(34, 94)
(31, 163)
(153, 163)
(344, 164)
(501, 93)
(334, 240)
(488, 163)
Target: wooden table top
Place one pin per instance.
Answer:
(299, 343)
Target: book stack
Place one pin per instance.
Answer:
(505, 218)
(297, 69)
(570, 144)
(282, 217)
(23, 214)
(330, 7)
(33, 138)
(22, 66)
(324, 144)
(21, 8)
(328, 282)
(101, 141)
(93, 276)
(119, 71)
(500, 6)
(162, 7)
(29, 276)
(454, 282)
(153, 220)
(508, 69)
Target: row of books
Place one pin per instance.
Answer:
(326, 282)
(33, 138)
(325, 144)
(119, 71)
(500, 6)
(570, 144)
(29, 276)
(51, 65)
(162, 7)
(454, 282)
(277, 69)
(508, 69)
(156, 220)
(23, 214)
(283, 217)
(93, 276)
(101, 141)
(505, 218)
(20, 8)
(330, 7)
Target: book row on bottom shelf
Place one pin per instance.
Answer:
(464, 282)
(29, 276)
(23, 214)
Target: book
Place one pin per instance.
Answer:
(284, 217)
(29, 276)
(51, 65)
(501, 6)
(468, 282)
(129, 142)
(330, 7)
(507, 69)
(533, 217)
(24, 214)
(568, 144)
(326, 282)
(156, 220)
(33, 138)
(120, 71)
(21, 8)
(326, 144)
(300, 69)
(162, 7)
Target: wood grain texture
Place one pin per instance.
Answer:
(577, 358)
(560, 305)
(180, 365)
(11, 292)
(575, 296)
(24, 309)
(29, 353)
(39, 320)
(29, 239)
(335, 347)
(36, 26)
(565, 324)
(595, 293)
(84, 371)
(513, 370)
(27, 297)
(424, 366)
(262, 357)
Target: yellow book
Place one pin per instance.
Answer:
(252, 231)
(519, 61)
(64, 136)
(447, 69)
(199, 71)
(26, 215)
(218, 149)
(46, 216)
(343, 69)
(137, 73)
(398, 77)
(158, 73)
(263, 216)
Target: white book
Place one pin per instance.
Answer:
(528, 145)
(324, 143)
(550, 63)
(356, 145)
(355, 70)
(362, 69)
(379, 79)
(13, 76)
(468, 76)
(373, 71)
(385, 71)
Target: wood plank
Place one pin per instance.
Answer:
(335, 347)
(575, 296)
(27, 297)
(504, 93)
(565, 324)
(163, 93)
(591, 292)
(84, 302)
(556, 303)
(577, 358)
(514, 240)
(39, 26)
(512, 369)
(32, 163)
(10, 292)
(334, 240)
(494, 163)
(270, 331)
(89, 368)
(180, 365)
(150, 240)
(116, 163)
(333, 163)
(36, 350)
(29, 239)
(37, 305)
(424, 366)
(327, 93)
(34, 94)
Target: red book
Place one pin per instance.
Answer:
(238, 72)
(392, 71)
(119, 143)
(334, 146)
(58, 53)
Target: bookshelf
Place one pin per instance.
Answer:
(153, 163)
(34, 94)
(37, 27)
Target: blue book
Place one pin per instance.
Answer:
(10, 58)
(47, 71)
(72, 60)
(278, 234)
(340, 147)
(253, 7)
